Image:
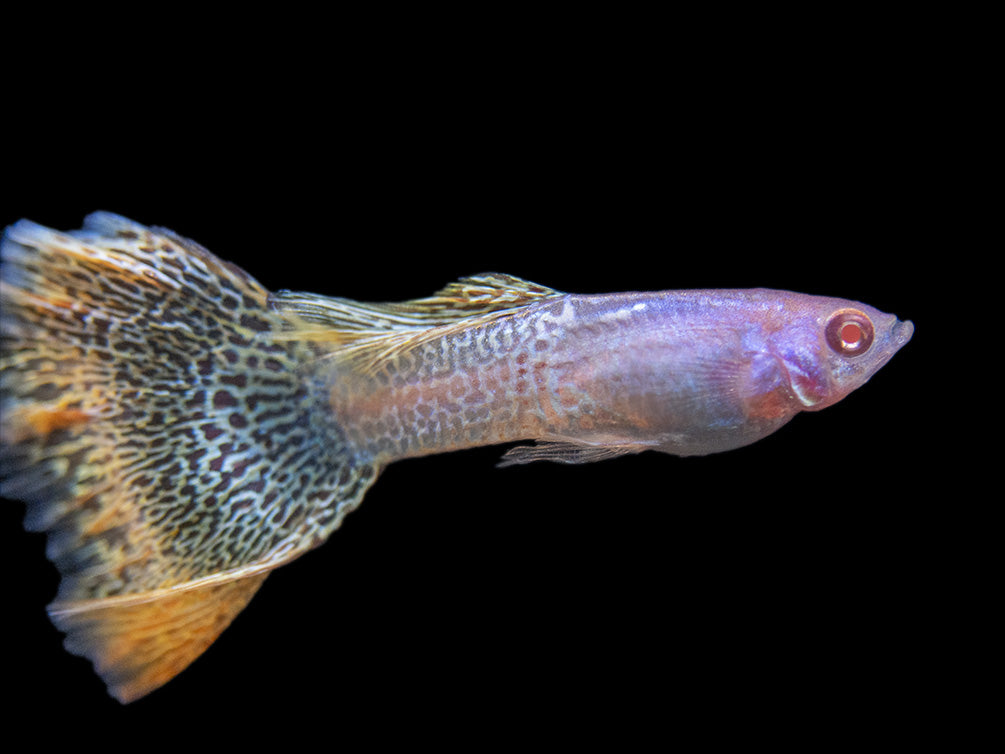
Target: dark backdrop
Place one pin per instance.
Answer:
(789, 571)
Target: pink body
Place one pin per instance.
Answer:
(180, 431)
(684, 372)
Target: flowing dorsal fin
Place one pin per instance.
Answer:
(368, 333)
(468, 297)
(479, 294)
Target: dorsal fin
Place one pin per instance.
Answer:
(368, 333)
(479, 294)
(468, 297)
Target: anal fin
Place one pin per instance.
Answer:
(138, 643)
(565, 451)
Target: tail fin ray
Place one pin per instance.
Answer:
(159, 435)
(138, 645)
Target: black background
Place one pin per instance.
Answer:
(793, 578)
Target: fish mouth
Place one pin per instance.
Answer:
(900, 333)
(897, 336)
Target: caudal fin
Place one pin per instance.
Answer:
(172, 450)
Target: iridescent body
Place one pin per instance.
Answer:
(180, 431)
(683, 372)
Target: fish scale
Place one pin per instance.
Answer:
(459, 391)
(179, 431)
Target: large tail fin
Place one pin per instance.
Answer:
(173, 451)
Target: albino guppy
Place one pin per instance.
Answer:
(180, 431)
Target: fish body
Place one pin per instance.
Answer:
(682, 372)
(179, 431)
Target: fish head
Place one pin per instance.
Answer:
(830, 347)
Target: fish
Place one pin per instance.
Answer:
(179, 431)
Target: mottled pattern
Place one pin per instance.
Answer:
(198, 446)
(683, 372)
(179, 432)
(502, 380)
(156, 431)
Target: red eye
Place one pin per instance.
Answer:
(849, 332)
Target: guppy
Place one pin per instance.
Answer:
(179, 431)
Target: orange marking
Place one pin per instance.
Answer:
(45, 420)
(139, 642)
(37, 301)
(115, 511)
(768, 406)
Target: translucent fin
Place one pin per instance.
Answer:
(567, 452)
(468, 297)
(139, 644)
(369, 333)
(160, 435)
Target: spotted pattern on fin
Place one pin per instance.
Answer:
(369, 334)
(157, 433)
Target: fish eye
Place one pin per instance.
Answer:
(849, 332)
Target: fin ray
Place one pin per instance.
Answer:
(568, 451)
(137, 645)
(159, 435)
(366, 334)
(465, 298)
